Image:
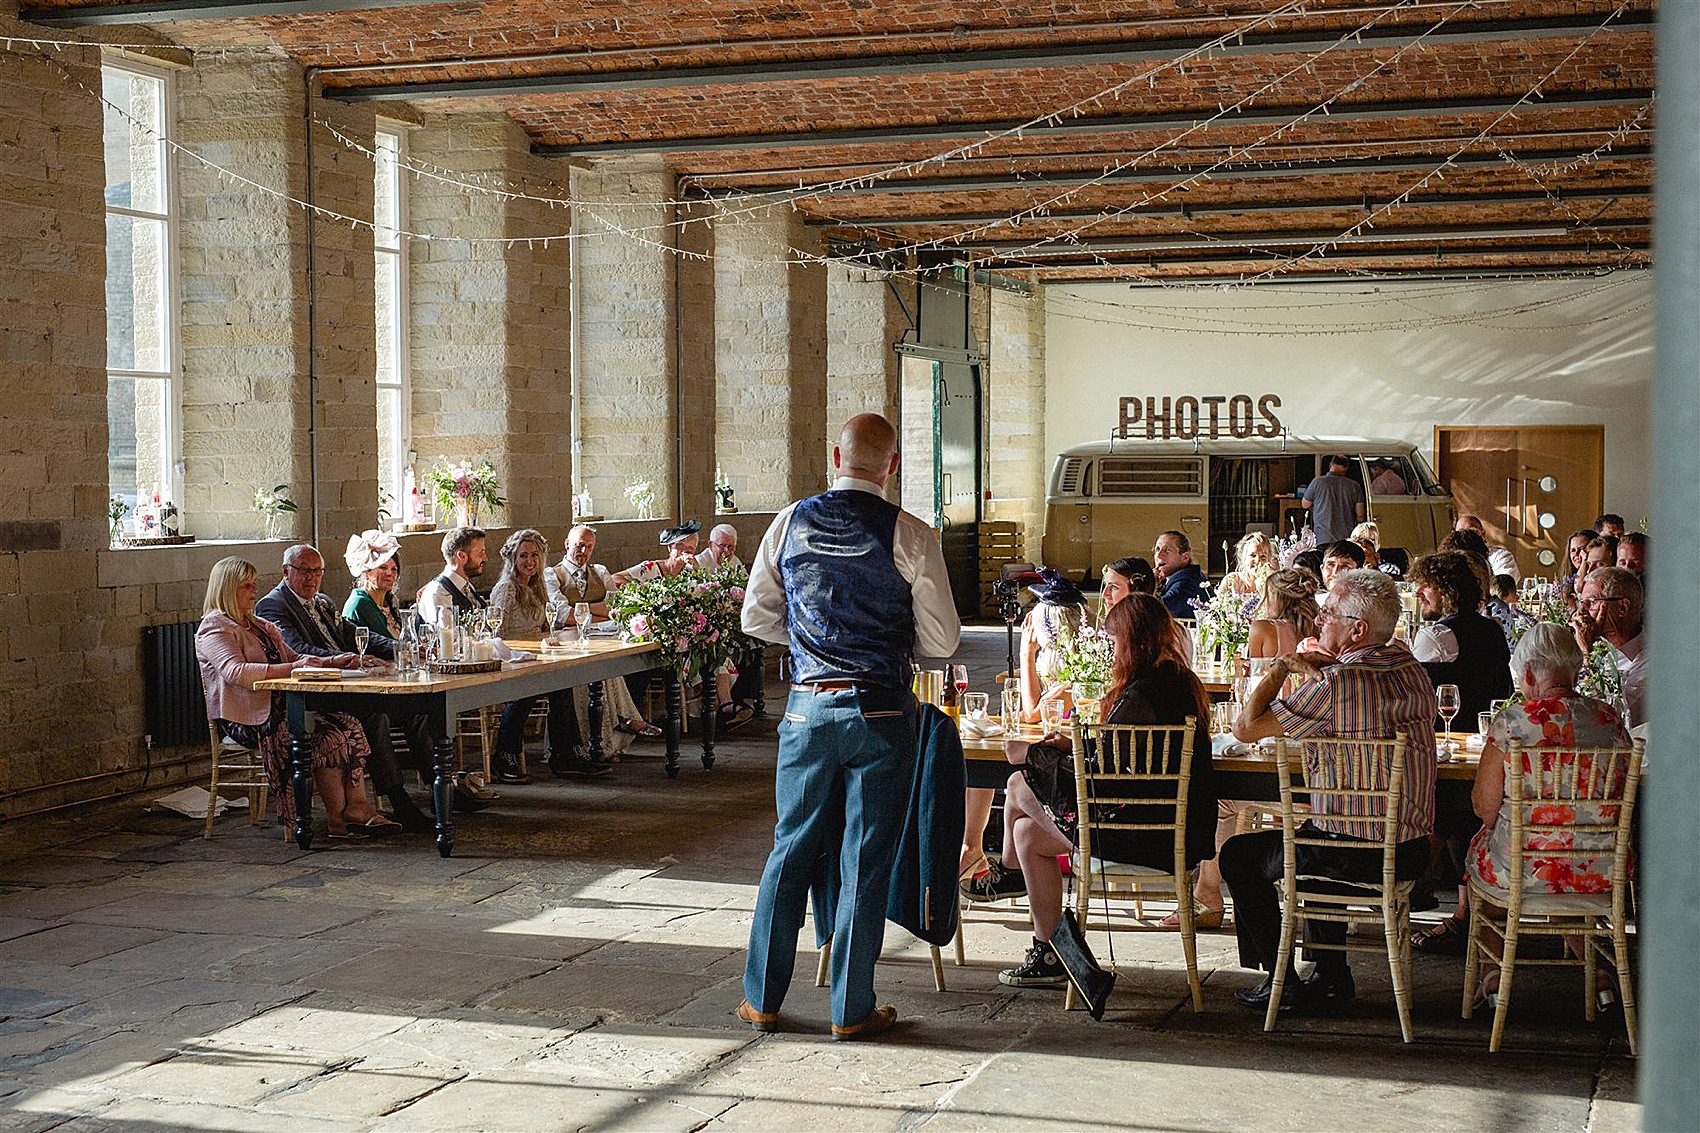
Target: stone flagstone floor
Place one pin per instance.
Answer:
(576, 964)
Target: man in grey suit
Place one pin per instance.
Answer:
(311, 626)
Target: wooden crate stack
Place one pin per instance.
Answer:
(1000, 543)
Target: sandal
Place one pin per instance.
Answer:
(1487, 989)
(630, 727)
(375, 827)
(1203, 917)
(1448, 938)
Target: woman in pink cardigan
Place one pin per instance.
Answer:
(236, 650)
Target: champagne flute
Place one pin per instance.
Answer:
(362, 638)
(1448, 696)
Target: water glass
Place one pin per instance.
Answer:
(975, 703)
(1051, 713)
(1011, 704)
(1484, 721)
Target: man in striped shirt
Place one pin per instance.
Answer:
(1362, 686)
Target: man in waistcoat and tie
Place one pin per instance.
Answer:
(575, 578)
(854, 585)
(464, 556)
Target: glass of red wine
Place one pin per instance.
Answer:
(959, 679)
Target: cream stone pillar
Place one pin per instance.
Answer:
(865, 320)
(1015, 412)
(490, 320)
(770, 359)
(624, 306)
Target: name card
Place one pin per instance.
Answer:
(1199, 418)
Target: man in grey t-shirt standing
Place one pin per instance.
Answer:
(1336, 502)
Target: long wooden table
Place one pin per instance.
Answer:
(443, 698)
(1250, 776)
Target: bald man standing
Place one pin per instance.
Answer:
(854, 585)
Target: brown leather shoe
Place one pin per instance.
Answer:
(879, 1021)
(758, 1020)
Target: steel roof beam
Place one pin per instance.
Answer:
(1075, 127)
(783, 70)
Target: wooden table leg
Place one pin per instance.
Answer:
(443, 792)
(675, 723)
(710, 717)
(301, 772)
(593, 718)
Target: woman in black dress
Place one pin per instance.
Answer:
(1150, 685)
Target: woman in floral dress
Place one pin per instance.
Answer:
(1553, 714)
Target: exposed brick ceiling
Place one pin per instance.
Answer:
(1217, 167)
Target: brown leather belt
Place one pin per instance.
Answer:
(826, 686)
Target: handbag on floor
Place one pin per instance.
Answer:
(1091, 981)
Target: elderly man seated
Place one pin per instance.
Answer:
(311, 625)
(722, 549)
(1360, 686)
(577, 579)
(1610, 609)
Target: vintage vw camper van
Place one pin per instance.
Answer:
(1111, 498)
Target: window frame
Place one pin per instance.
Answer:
(403, 337)
(171, 472)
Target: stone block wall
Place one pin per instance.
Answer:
(1017, 463)
(245, 397)
(490, 319)
(626, 334)
(770, 357)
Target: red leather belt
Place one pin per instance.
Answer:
(825, 686)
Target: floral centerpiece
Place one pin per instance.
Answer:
(1086, 658)
(641, 495)
(694, 616)
(1224, 621)
(274, 505)
(464, 488)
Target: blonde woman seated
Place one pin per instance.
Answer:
(1368, 529)
(236, 650)
(1251, 554)
(521, 597)
(1058, 611)
(1288, 621)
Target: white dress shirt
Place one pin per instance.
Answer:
(554, 576)
(1632, 667)
(434, 597)
(1501, 561)
(705, 559)
(918, 557)
(1434, 642)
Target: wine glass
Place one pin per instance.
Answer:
(552, 609)
(362, 638)
(581, 616)
(493, 621)
(1448, 695)
(959, 680)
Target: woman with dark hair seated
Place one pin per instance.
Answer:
(1149, 685)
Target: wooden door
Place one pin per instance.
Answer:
(1530, 485)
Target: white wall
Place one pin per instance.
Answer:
(1381, 360)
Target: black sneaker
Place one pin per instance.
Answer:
(1040, 969)
(996, 884)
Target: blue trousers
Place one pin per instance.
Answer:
(846, 763)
